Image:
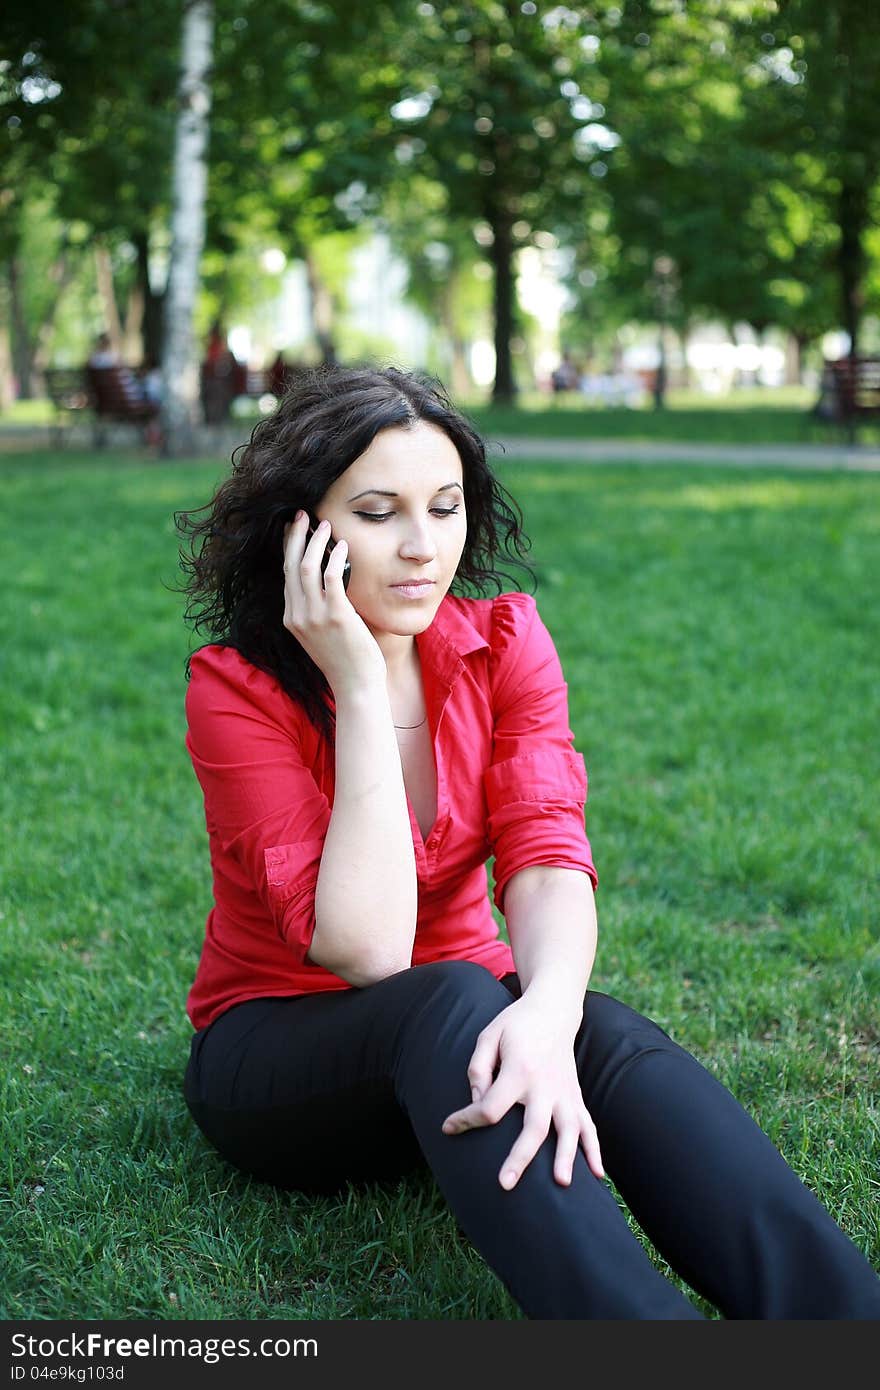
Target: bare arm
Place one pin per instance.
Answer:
(529, 1047)
(366, 898)
(366, 893)
(551, 921)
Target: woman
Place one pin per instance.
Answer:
(365, 740)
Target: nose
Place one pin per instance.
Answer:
(418, 543)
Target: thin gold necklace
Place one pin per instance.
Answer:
(412, 726)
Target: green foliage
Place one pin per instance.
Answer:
(736, 141)
(88, 92)
(739, 127)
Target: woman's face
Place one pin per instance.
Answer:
(400, 507)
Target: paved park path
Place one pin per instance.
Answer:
(851, 458)
(846, 458)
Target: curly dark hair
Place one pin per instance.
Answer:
(327, 418)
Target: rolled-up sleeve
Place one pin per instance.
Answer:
(536, 785)
(264, 811)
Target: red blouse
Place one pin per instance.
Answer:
(509, 784)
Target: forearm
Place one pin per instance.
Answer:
(366, 896)
(551, 922)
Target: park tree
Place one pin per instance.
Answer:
(180, 384)
(505, 122)
(673, 180)
(90, 99)
(40, 257)
(719, 204)
(819, 68)
(447, 274)
(87, 89)
(295, 85)
(485, 99)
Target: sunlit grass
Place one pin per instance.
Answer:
(35, 412)
(720, 639)
(754, 416)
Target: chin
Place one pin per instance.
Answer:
(418, 622)
(406, 623)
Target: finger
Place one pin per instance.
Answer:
(310, 566)
(335, 566)
(568, 1138)
(471, 1117)
(294, 540)
(292, 537)
(534, 1133)
(500, 1096)
(294, 543)
(480, 1070)
(590, 1144)
(316, 543)
(481, 1067)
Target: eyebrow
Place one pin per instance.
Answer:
(380, 492)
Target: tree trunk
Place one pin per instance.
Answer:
(61, 274)
(683, 336)
(760, 332)
(501, 256)
(29, 352)
(661, 374)
(180, 367)
(792, 369)
(736, 371)
(22, 348)
(321, 309)
(851, 216)
(459, 375)
(151, 324)
(107, 296)
(132, 328)
(7, 379)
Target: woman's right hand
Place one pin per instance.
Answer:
(319, 614)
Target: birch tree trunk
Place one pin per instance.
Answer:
(180, 368)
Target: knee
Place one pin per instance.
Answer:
(468, 984)
(451, 1002)
(613, 1035)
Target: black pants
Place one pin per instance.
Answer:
(313, 1091)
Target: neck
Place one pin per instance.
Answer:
(400, 653)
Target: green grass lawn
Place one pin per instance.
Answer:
(747, 416)
(720, 639)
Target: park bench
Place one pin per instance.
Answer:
(849, 392)
(105, 395)
(118, 400)
(69, 393)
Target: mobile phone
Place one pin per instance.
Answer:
(346, 569)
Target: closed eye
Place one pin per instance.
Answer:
(383, 516)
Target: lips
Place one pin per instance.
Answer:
(414, 588)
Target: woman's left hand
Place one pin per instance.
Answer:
(534, 1059)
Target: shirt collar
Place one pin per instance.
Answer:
(450, 637)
